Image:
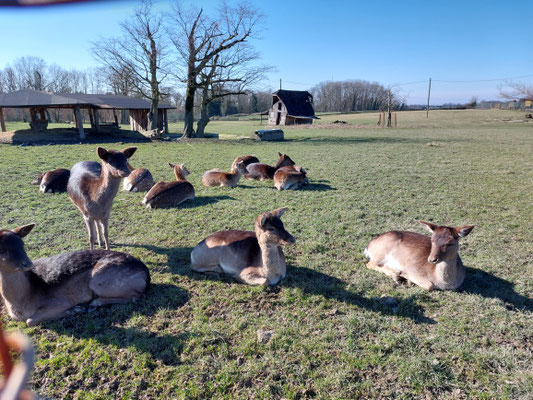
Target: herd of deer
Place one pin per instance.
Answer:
(52, 287)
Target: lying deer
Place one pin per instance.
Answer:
(170, 194)
(287, 178)
(53, 181)
(217, 177)
(139, 180)
(264, 171)
(432, 263)
(92, 188)
(49, 287)
(247, 160)
(254, 258)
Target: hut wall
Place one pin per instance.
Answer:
(277, 114)
(139, 120)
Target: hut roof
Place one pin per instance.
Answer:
(299, 103)
(35, 98)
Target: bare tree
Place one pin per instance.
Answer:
(516, 90)
(203, 43)
(139, 56)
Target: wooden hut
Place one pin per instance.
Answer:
(291, 107)
(38, 102)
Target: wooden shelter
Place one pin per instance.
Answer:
(38, 102)
(291, 107)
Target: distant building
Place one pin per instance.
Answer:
(291, 107)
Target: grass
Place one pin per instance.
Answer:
(195, 336)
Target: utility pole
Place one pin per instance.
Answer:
(389, 114)
(429, 94)
(279, 83)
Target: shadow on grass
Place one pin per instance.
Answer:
(373, 139)
(71, 136)
(487, 285)
(317, 186)
(200, 201)
(101, 324)
(318, 283)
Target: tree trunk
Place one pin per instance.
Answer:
(203, 121)
(188, 130)
(152, 115)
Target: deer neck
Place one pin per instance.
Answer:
(107, 185)
(450, 273)
(236, 176)
(179, 176)
(16, 290)
(272, 257)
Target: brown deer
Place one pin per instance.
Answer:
(53, 181)
(49, 287)
(432, 263)
(290, 178)
(217, 177)
(247, 160)
(254, 258)
(139, 180)
(92, 188)
(170, 194)
(263, 172)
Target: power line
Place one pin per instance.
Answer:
(484, 80)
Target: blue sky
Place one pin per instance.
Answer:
(391, 42)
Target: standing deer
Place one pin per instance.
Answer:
(247, 160)
(263, 172)
(287, 178)
(217, 177)
(49, 287)
(92, 188)
(432, 263)
(170, 194)
(139, 180)
(254, 258)
(53, 181)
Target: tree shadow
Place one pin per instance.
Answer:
(373, 139)
(101, 324)
(489, 286)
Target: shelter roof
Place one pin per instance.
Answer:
(299, 103)
(35, 98)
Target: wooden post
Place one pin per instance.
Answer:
(75, 117)
(79, 121)
(396, 120)
(165, 116)
(429, 94)
(41, 113)
(115, 117)
(91, 117)
(2, 120)
(95, 116)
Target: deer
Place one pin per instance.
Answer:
(51, 287)
(170, 194)
(432, 263)
(139, 180)
(253, 258)
(247, 160)
(54, 181)
(92, 188)
(217, 177)
(290, 178)
(263, 172)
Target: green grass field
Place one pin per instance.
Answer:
(195, 336)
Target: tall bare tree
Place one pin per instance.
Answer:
(517, 90)
(203, 42)
(139, 55)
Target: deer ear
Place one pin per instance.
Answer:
(171, 165)
(279, 212)
(431, 227)
(23, 230)
(281, 155)
(264, 219)
(462, 231)
(102, 153)
(129, 151)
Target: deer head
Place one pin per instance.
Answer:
(117, 161)
(284, 160)
(268, 227)
(13, 257)
(180, 170)
(239, 167)
(445, 241)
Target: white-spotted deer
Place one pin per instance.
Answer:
(53, 181)
(49, 287)
(432, 263)
(254, 258)
(263, 172)
(170, 194)
(290, 178)
(217, 177)
(92, 188)
(247, 160)
(139, 180)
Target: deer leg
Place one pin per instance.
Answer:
(252, 276)
(385, 270)
(53, 311)
(104, 224)
(422, 282)
(98, 230)
(90, 228)
(102, 301)
(215, 269)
